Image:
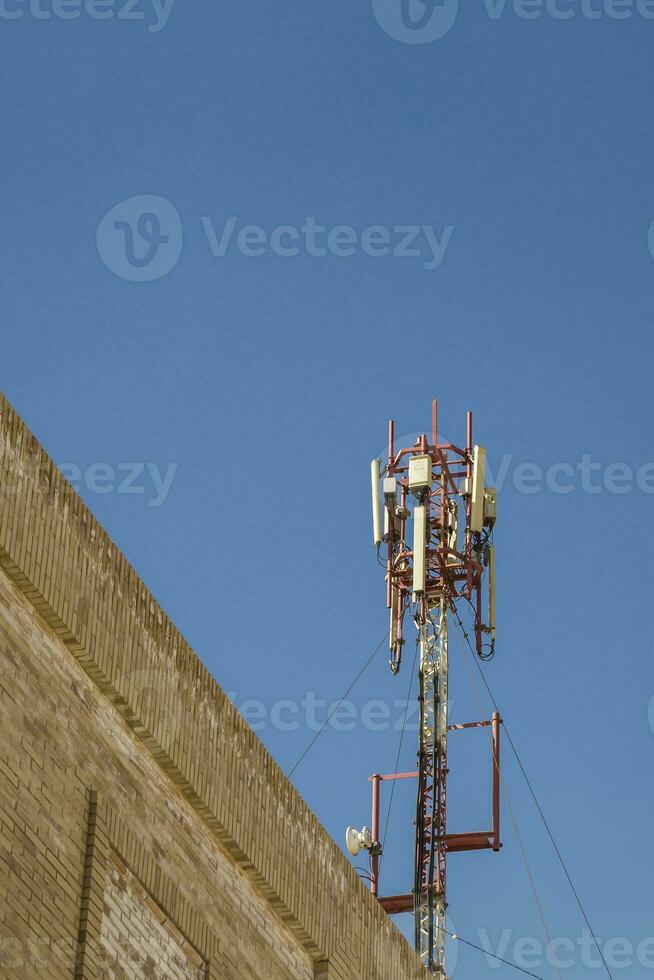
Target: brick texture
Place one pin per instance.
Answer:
(144, 829)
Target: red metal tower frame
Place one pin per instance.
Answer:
(449, 560)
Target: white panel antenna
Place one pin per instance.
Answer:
(478, 486)
(376, 506)
(419, 548)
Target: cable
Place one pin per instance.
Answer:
(486, 952)
(538, 807)
(399, 750)
(507, 799)
(339, 703)
(485, 657)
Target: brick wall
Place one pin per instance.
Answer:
(141, 817)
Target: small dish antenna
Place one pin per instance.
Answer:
(358, 840)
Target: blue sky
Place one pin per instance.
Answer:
(512, 158)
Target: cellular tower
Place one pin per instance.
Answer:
(433, 520)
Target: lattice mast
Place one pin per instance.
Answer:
(438, 516)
